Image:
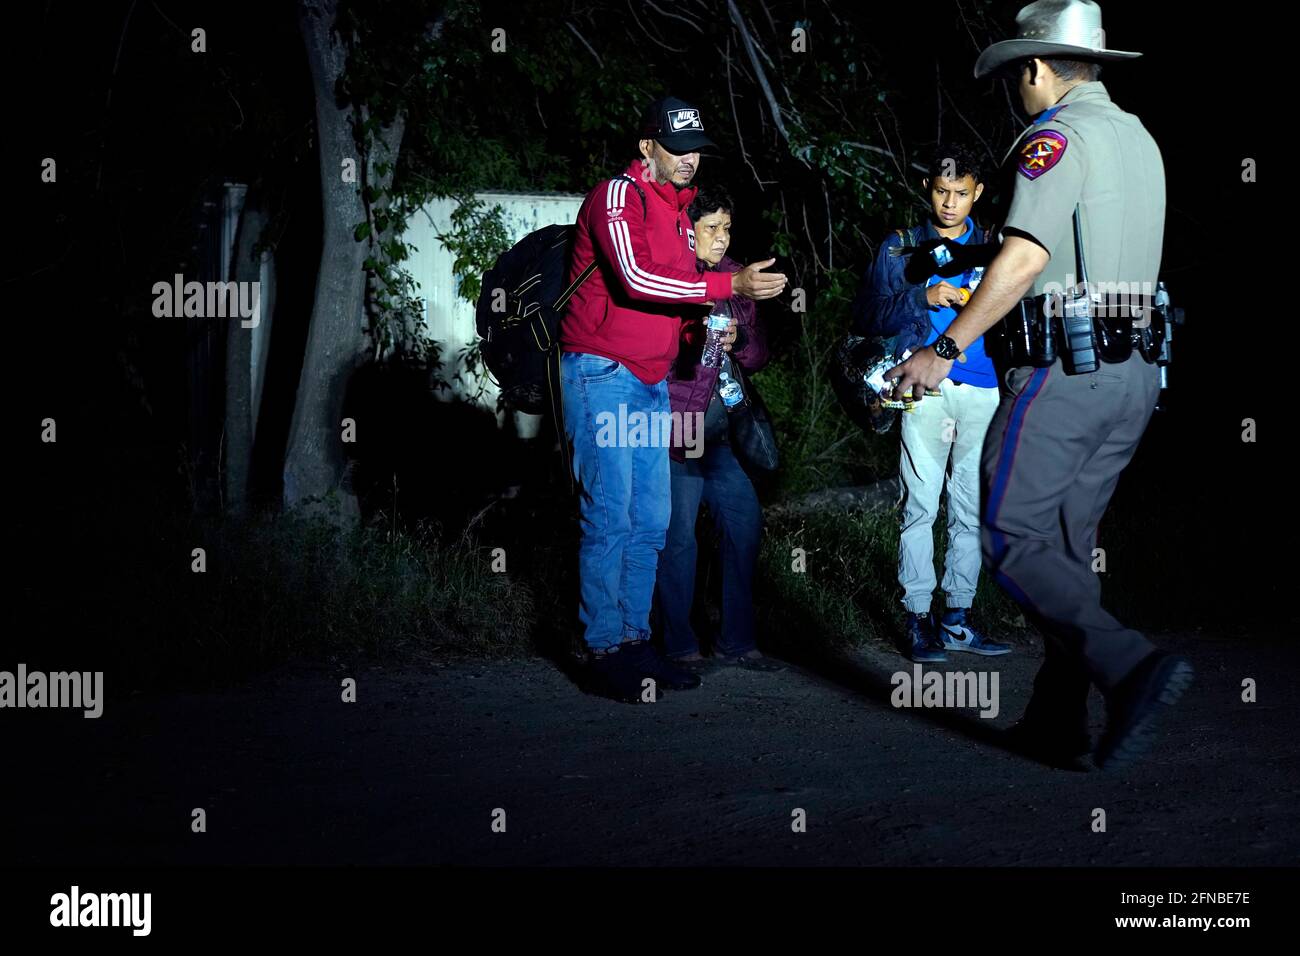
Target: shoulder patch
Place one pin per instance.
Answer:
(1041, 152)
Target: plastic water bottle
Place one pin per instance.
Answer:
(716, 327)
(968, 290)
(729, 389)
(874, 377)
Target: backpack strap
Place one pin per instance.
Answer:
(639, 191)
(567, 294)
(563, 300)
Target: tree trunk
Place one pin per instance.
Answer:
(237, 458)
(315, 460)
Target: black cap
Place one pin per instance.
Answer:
(676, 126)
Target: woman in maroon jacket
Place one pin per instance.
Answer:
(711, 475)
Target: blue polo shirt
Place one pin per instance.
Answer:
(978, 369)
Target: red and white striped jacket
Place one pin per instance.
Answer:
(630, 308)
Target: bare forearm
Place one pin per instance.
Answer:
(1010, 275)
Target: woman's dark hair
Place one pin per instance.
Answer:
(955, 160)
(709, 199)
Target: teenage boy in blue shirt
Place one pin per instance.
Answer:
(942, 435)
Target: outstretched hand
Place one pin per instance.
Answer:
(753, 283)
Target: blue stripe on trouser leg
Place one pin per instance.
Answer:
(1063, 442)
(1001, 477)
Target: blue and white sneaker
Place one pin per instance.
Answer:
(922, 643)
(958, 635)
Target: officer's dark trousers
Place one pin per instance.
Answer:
(1051, 460)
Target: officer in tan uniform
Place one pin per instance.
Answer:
(1075, 403)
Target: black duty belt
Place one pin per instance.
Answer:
(1081, 331)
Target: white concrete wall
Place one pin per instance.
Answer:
(449, 319)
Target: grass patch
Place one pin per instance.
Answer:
(285, 588)
(849, 595)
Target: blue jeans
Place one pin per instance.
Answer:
(624, 493)
(717, 479)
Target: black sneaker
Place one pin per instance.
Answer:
(696, 663)
(619, 675)
(653, 665)
(1133, 707)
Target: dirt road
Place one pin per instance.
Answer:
(413, 771)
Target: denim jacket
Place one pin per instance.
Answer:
(887, 306)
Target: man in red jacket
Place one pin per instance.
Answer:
(620, 337)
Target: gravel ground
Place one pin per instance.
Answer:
(413, 771)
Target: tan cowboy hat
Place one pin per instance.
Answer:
(1070, 29)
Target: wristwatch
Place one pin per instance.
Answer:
(946, 348)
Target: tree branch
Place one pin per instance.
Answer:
(662, 12)
(731, 98)
(672, 49)
(983, 142)
(750, 50)
(812, 243)
(108, 95)
(583, 41)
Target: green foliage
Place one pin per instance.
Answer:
(555, 113)
(477, 237)
(820, 447)
(297, 585)
(397, 325)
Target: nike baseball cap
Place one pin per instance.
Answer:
(676, 126)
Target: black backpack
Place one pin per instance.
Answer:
(518, 315)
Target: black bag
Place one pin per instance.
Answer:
(752, 438)
(854, 357)
(518, 314)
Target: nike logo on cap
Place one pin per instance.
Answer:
(681, 119)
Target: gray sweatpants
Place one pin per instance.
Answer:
(1051, 460)
(943, 436)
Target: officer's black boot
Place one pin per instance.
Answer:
(1135, 705)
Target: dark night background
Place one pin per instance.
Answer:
(142, 130)
(135, 159)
